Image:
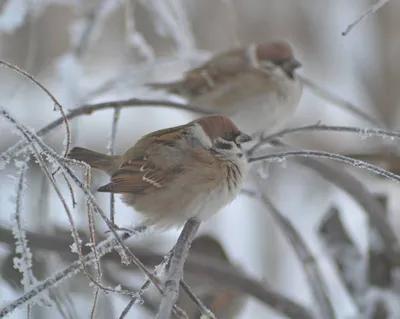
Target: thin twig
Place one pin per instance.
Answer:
(111, 151)
(203, 309)
(128, 255)
(337, 100)
(103, 248)
(52, 97)
(221, 272)
(310, 265)
(175, 271)
(363, 197)
(374, 8)
(281, 156)
(137, 297)
(24, 262)
(363, 132)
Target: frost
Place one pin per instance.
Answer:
(74, 248)
(13, 15)
(122, 254)
(118, 288)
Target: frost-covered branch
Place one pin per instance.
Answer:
(111, 151)
(49, 94)
(374, 8)
(281, 156)
(175, 271)
(362, 132)
(102, 249)
(221, 272)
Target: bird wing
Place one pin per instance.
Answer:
(139, 170)
(138, 175)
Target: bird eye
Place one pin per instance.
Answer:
(223, 145)
(228, 137)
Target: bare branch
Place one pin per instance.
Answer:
(344, 254)
(175, 271)
(374, 8)
(111, 151)
(308, 261)
(222, 272)
(363, 132)
(90, 108)
(52, 97)
(280, 156)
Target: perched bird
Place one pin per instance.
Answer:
(174, 174)
(255, 86)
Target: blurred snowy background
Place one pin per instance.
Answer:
(94, 51)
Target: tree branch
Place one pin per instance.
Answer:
(175, 270)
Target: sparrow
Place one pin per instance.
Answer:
(224, 301)
(177, 173)
(255, 86)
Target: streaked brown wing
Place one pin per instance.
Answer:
(138, 175)
(214, 73)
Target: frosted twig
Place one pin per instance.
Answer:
(363, 132)
(207, 313)
(310, 265)
(337, 100)
(75, 235)
(71, 190)
(23, 263)
(221, 272)
(62, 162)
(280, 156)
(55, 101)
(361, 195)
(159, 269)
(90, 211)
(111, 151)
(374, 8)
(90, 108)
(175, 271)
(102, 249)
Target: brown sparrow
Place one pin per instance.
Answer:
(174, 174)
(254, 85)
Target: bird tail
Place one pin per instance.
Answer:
(170, 87)
(103, 162)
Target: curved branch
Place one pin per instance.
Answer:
(363, 132)
(90, 108)
(220, 271)
(321, 154)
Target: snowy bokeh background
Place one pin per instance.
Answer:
(94, 51)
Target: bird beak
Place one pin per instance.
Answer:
(295, 64)
(243, 138)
